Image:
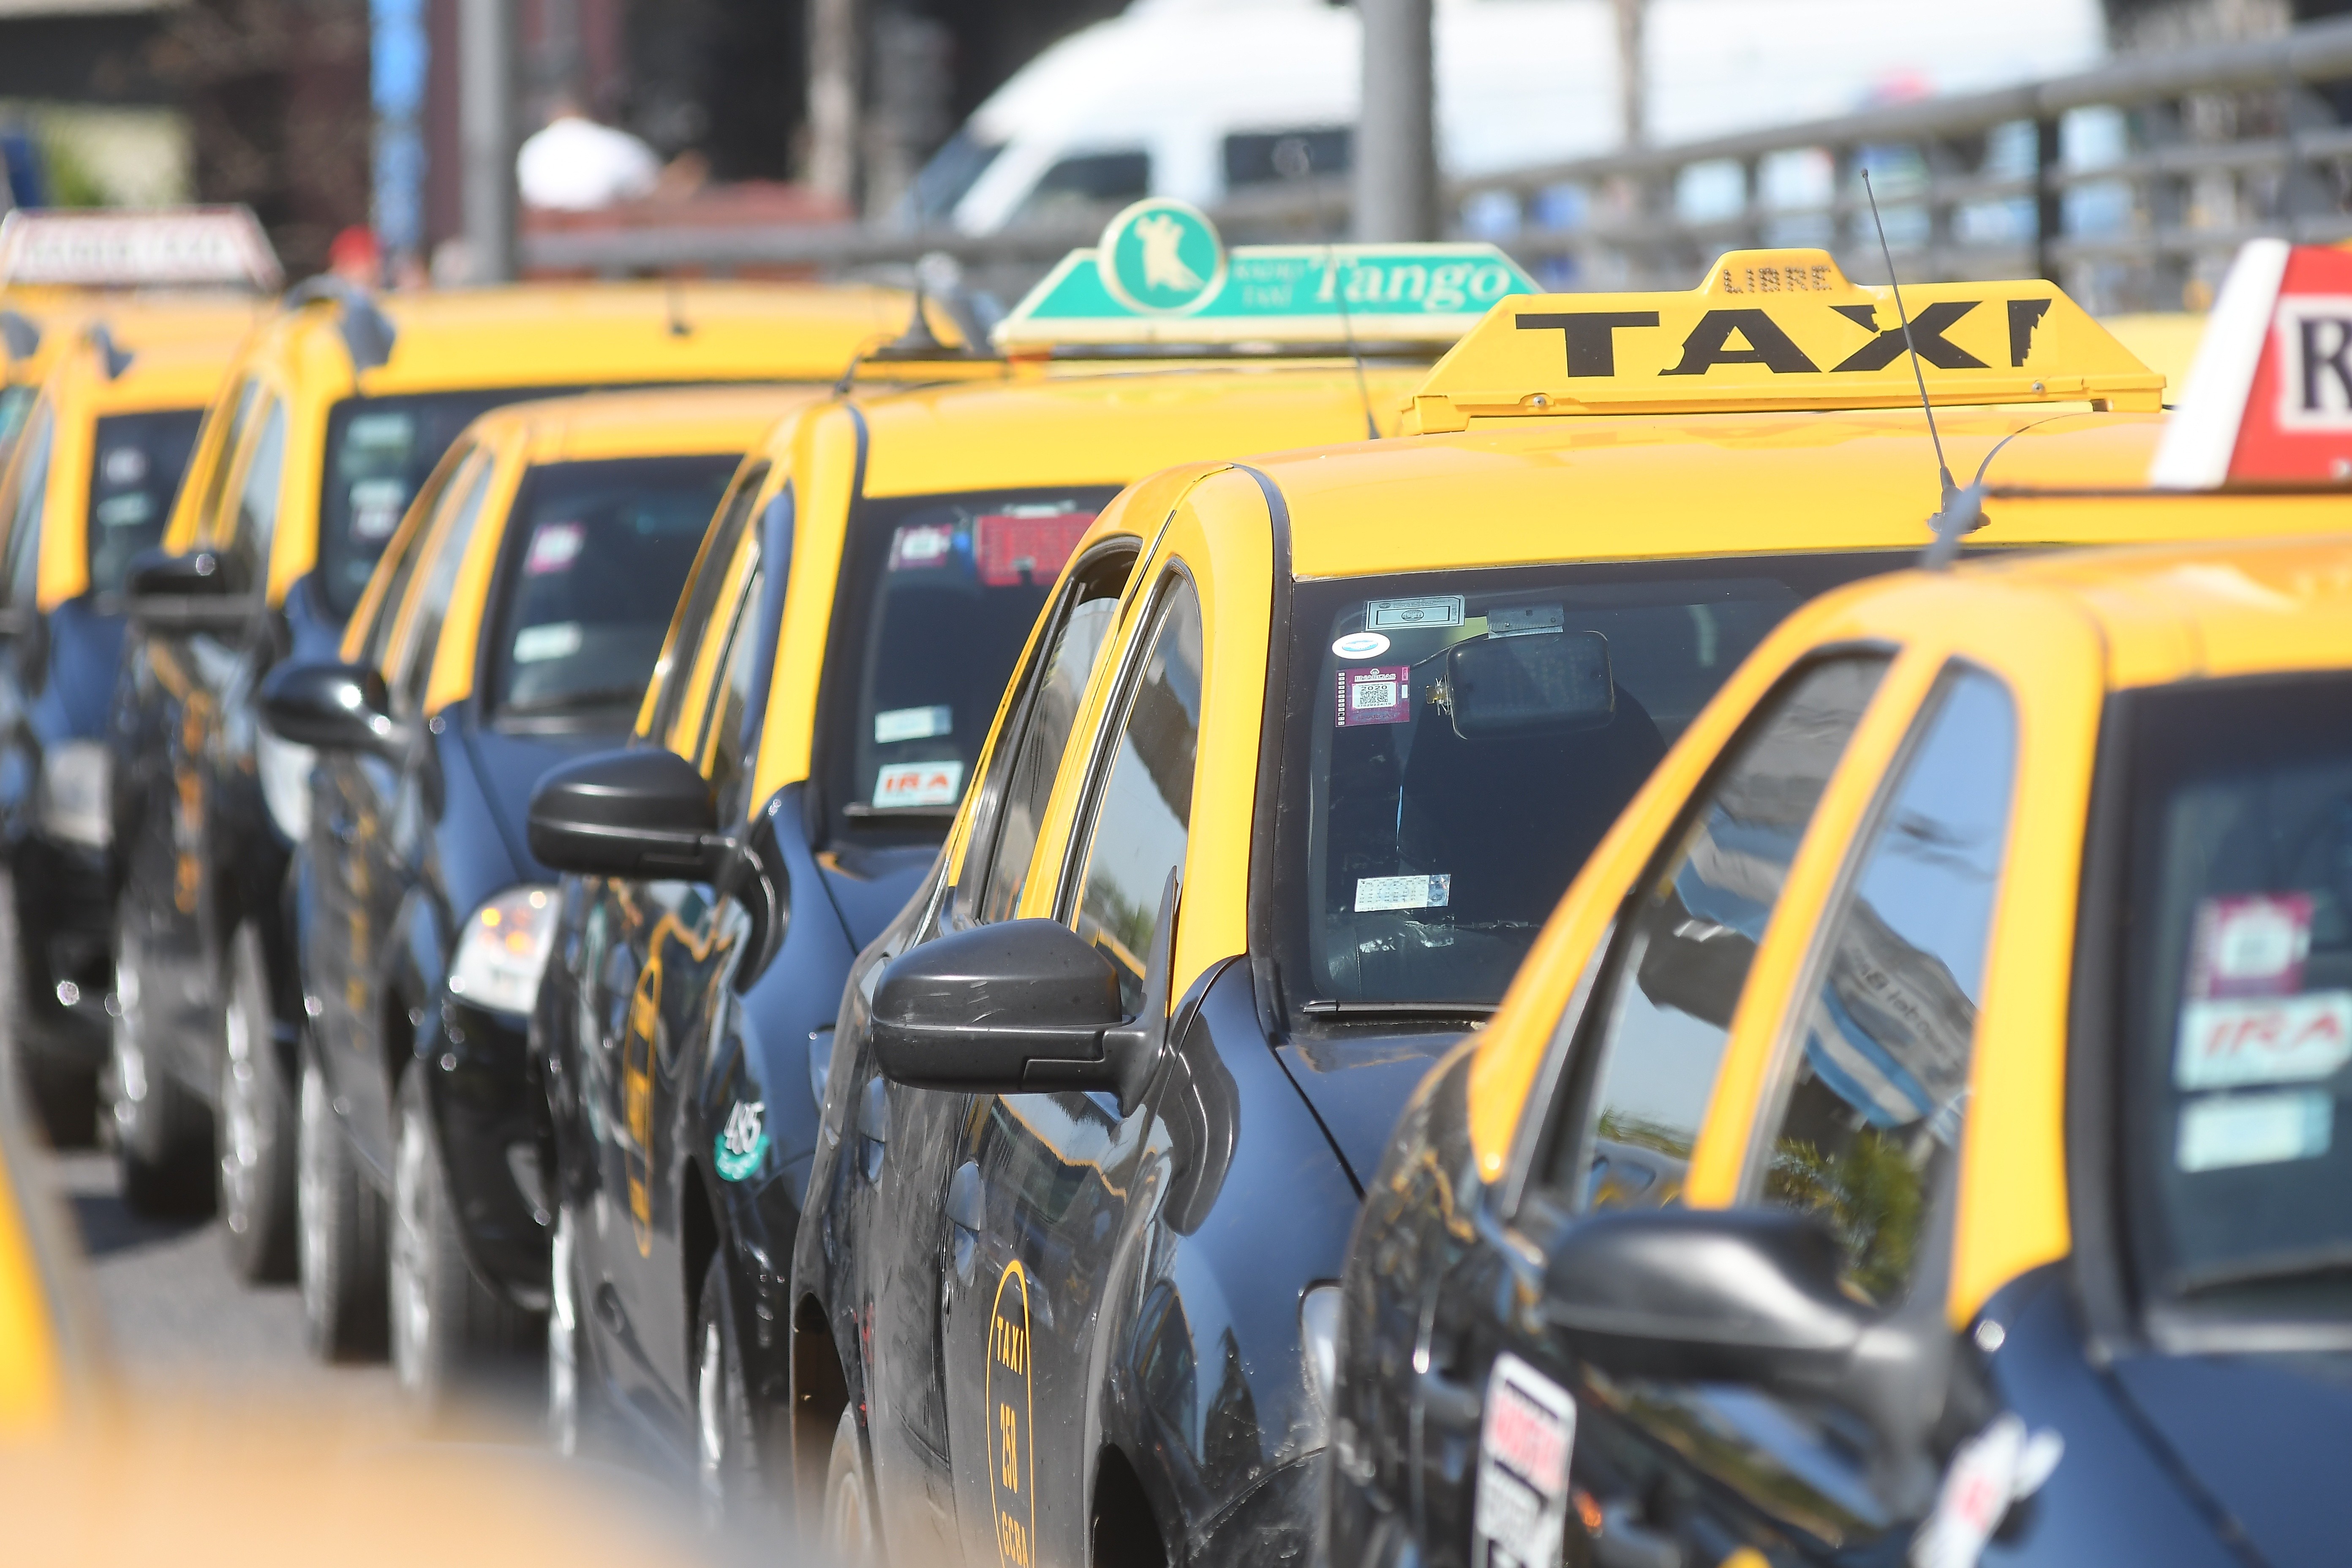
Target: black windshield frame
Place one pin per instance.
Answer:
(1294, 992)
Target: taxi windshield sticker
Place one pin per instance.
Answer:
(1524, 1439)
(921, 545)
(1376, 893)
(1161, 274)
(1013, 1465)
(1779, 329)
(1375, 694)
(918, 783)
(2245, 1018)
(1408, 614)
(1020, 547)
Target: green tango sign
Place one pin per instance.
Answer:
(1161, 275)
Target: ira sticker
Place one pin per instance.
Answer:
(920, 784)
(2250, 945)
(1027, 545)
(1412, 614)
(1524, 1443)
(917, 547)
(553, 548)
(1376, 893)
(912, 724)
(2240, 1040)
(2223, 1132)
(1375, 694)
(1360, 645)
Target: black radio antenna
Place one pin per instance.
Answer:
(1958, 510)
(1347, 331)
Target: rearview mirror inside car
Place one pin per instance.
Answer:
(333, 707)
(643, 812)
(1525, 683)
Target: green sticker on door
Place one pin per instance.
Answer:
(742, 1142)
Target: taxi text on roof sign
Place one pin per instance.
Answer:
(1779, 329)
(1160, 274)
(167, 247)
(2269, 399)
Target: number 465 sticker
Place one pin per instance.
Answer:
(1524, 1442)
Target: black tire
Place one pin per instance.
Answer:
(340, 1223)
(454, 1338)
(734, 1481)
(847, 1535)
(574, 1381)
(255, 1171)
(162, 1134)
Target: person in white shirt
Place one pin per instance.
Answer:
(575, 164)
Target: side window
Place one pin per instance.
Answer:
(1867, 1111)
(208, 518)
(1682, 955)
(700, 607)
(724, 749)
(439, 559)
(1028, 762)
(399, 563)
(1143, 814)
(29, 478)
(257, 499)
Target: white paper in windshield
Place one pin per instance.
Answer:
(2226, 1131)
(535, 645)
(1374, 893)
(1407, 614)
(912, 724)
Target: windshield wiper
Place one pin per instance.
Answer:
(2272, 1268)
(857, 811)
(1475, 1011)
(573, 702)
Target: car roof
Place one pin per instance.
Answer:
(679, 420)
(137, 320)
(1642, 487)
(180, 374)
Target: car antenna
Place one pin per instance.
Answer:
(674, 299)
(918, 341)
(1348, 330)
(1961, 511)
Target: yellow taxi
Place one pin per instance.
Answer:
(1258, 839)
(1906, 1139)
(86, 490)
(836, 664)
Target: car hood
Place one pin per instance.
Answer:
(2264, 1435)
(1357, 1084)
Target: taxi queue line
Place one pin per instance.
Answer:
(545, 965)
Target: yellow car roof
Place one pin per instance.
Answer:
(135, 320)
(1629, 487)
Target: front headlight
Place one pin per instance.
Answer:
(503, 949)
(75, 802)
(284, 770)
(1318, 1337)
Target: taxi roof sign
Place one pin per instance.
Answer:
(1162, 275)
(1779, 329)
(165, 247)
(2269, 399)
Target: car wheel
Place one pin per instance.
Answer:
(63, 1093)
(846, 1534)
(258, 1133)
(727, 1440)
(451, 1335)
(340, 1220)
(163, 1137)
(571, 1369)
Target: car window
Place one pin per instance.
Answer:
(1142, 813)
(1003, 842)
(23, 503)
(697, 608)
(420, 628)
(725, 749)
(2234, 982)
(223, 459)
(376, 648)
(133, 475)
(596, 554)
(1865, 1111)
(1086, 183)
(1680, 961)
(257, 496)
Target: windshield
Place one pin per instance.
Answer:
(1457, 742)
(2237, 992)
(936, 598)
(133, 476)
(595, 557)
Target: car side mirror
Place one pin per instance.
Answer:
(1022, 1007)
(201, 591)
(1527, 683)
(640, 812)
(332, 707)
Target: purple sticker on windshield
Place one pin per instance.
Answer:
(1375, 694)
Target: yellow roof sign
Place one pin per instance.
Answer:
(1774, 330)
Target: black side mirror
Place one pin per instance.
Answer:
(639, 813)
(1022, 1007)
(1530, 682)
(201, 591)
(333, 707)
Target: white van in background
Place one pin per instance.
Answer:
(1197, 99)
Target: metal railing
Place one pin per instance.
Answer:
(2131, 184)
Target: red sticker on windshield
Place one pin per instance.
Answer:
(1375, 694)
(2252, 944)
(1015, 548)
